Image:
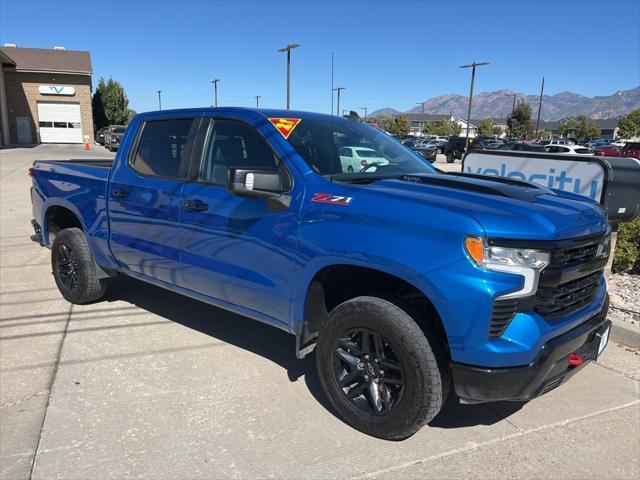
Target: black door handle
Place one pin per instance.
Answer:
(195, 205)
(119, 193)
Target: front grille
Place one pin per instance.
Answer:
(567, 297)
(571, 256)
(501, 315)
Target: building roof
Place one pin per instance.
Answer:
(46, 60)
(426, 118)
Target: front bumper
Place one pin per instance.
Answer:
(549, 369)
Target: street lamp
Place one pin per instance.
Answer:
(257, 97)
(365, 112)
(338, 89)
(159, 100)
(421, 116)
(215, 91)
(539, 109)
(473, 78)
(288, 49)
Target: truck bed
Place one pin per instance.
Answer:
(91, 162)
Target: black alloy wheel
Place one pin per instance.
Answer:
(367, 370)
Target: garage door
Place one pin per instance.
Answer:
(59, 123)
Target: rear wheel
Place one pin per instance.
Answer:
(378, 368)
(74, 269)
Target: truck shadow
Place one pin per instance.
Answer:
(272, 344)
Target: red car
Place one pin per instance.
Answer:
(631, 149)
(607, 151)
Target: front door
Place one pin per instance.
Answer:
(24, 130)
(235, 249)
(144, 199)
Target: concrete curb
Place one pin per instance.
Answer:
(626, 334)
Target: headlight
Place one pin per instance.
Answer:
(520, 261)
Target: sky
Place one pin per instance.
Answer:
(387, 54)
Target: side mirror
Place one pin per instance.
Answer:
(254, 183)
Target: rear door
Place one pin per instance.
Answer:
(144, 198)
(235, 249)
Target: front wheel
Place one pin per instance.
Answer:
(74, 270)
(378, 369)
(450, 157)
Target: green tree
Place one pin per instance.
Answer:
(566, 126)
(519, 122)
(442, 128)
(544, 134)
(397, 125)
(496, 130)
(110, 104)
(629, 126)
(485, 128)
(586, 128)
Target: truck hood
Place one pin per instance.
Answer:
(505, 208)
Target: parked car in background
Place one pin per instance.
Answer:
(522, 147)
(100, 135)
(561, 141)
(631, 149)
(607, 151)
(569, 149)
(354, 159)
(425, 152)
(438, 144)
(114, 136)
(454, 148)
(597, 143)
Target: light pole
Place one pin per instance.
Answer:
(421, 116)
(365, 112)
(257, 97)
(215, 91)
(473, 78)
(159, 100)
(539, 109)
(288, 49)
(338, 89)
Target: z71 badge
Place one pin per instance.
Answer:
(332, 199)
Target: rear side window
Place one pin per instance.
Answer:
(582, 150)
(164, 147)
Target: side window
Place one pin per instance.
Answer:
(164, 147)
(238, 145)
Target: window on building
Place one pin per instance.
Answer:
(164, 148)
(45, 124)
(59, 124)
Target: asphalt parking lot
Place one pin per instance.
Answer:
(148, 384)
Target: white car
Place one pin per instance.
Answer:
(354, 159)
(569, 149)
(561, 141)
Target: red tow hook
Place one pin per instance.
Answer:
(575, 359)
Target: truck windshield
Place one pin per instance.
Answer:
(319, 143)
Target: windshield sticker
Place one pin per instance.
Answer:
(285, 125)
(332, 199)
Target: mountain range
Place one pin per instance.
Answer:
(554, 107)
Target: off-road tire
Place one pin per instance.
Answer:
(88, 286)
(425, 387)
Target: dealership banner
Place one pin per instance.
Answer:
(582, 175)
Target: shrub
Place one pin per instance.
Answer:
(627, 256)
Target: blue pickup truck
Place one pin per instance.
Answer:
(409, 283)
